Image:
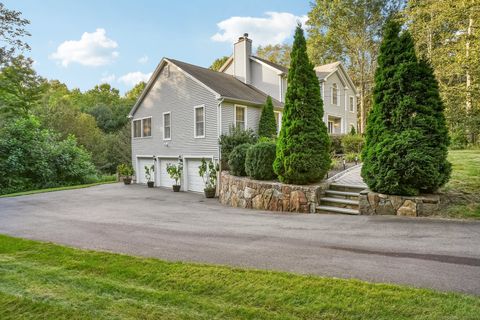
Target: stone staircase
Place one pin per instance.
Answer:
(340, 198)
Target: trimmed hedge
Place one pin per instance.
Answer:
(236, 160)
(259, 161)
(235, 137)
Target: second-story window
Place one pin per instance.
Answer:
(167, 127)
(199, 122)
(147, 127)
(240, 117)
(352, 106)
(334, 94)
(137, 128)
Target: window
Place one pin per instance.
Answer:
(352, 106)
(147, 127)
(199, 122)
(142, 127)
(167, 128)
(137, 128)
(330, 126)
(334, 94)
(240, 117)
(278, 120)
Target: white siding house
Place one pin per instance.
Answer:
(185, 108)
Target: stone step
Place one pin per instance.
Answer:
(339, 202)
(329, 209)
(346, 187)
(342, 194)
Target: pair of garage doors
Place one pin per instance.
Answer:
(191, 181)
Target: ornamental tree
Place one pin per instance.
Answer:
(303, 145)
(267, 127)
(406, 140)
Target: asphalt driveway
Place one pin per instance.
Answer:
(438, 254)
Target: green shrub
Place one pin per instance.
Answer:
(336, 144)
(259, 161)
(352, 143)
(353, 131)
(406, 140)
(236, 160)
(303, 148)
(235, 137)
(267, 127)
(350, 157)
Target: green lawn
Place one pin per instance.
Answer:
(47, 281)
(24, 193)
(464, 185)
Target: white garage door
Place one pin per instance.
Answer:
(141, 163)
(165, 180)
(194, 181)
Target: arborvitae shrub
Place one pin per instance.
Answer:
(406, 140)
(336, 144)
(267, 127)
(303, 148)
(236, 160)
(259, 160)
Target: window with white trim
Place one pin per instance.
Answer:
(352, 105)
(334, 94)
(331, 126)
(199, 122)
(137, 128)
(278, 120)
(167, 126)
(147, 127)
(142, 128)
(240, 117)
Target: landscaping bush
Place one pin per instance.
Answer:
(303, 148)
(336, 144)
(350, 157)
(259, 161)
(234, 138)
(267, 127)
(406, 140)
(352, 143)
(236, 160)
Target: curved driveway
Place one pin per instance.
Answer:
(430, 253)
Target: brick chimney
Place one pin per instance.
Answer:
(242, 50)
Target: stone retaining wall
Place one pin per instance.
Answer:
(244, 192)
(371, 203)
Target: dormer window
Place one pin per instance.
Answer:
(335, 94)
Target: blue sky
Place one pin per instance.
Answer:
(84, 42)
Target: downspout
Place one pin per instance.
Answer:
(219, 133)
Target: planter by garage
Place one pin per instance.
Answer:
(209, 192)
(176, 187)
(127, 180)
(150, 184)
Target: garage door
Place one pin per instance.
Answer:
(194, 181)
(165, 180)
(141, 163)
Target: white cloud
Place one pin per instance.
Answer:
(143, 60)
(132, 78)
(107, 78)
(93, 49)
(275, 28)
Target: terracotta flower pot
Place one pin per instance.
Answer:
(176, 188)
(127, 180)
(150, 184)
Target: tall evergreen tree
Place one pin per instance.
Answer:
(267, 127)
(407, 138)
(303, 145)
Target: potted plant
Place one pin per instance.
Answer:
(175, 173)
(126, 172)
(208, 171)
(149, 170)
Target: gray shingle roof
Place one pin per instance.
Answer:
(224, 84)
